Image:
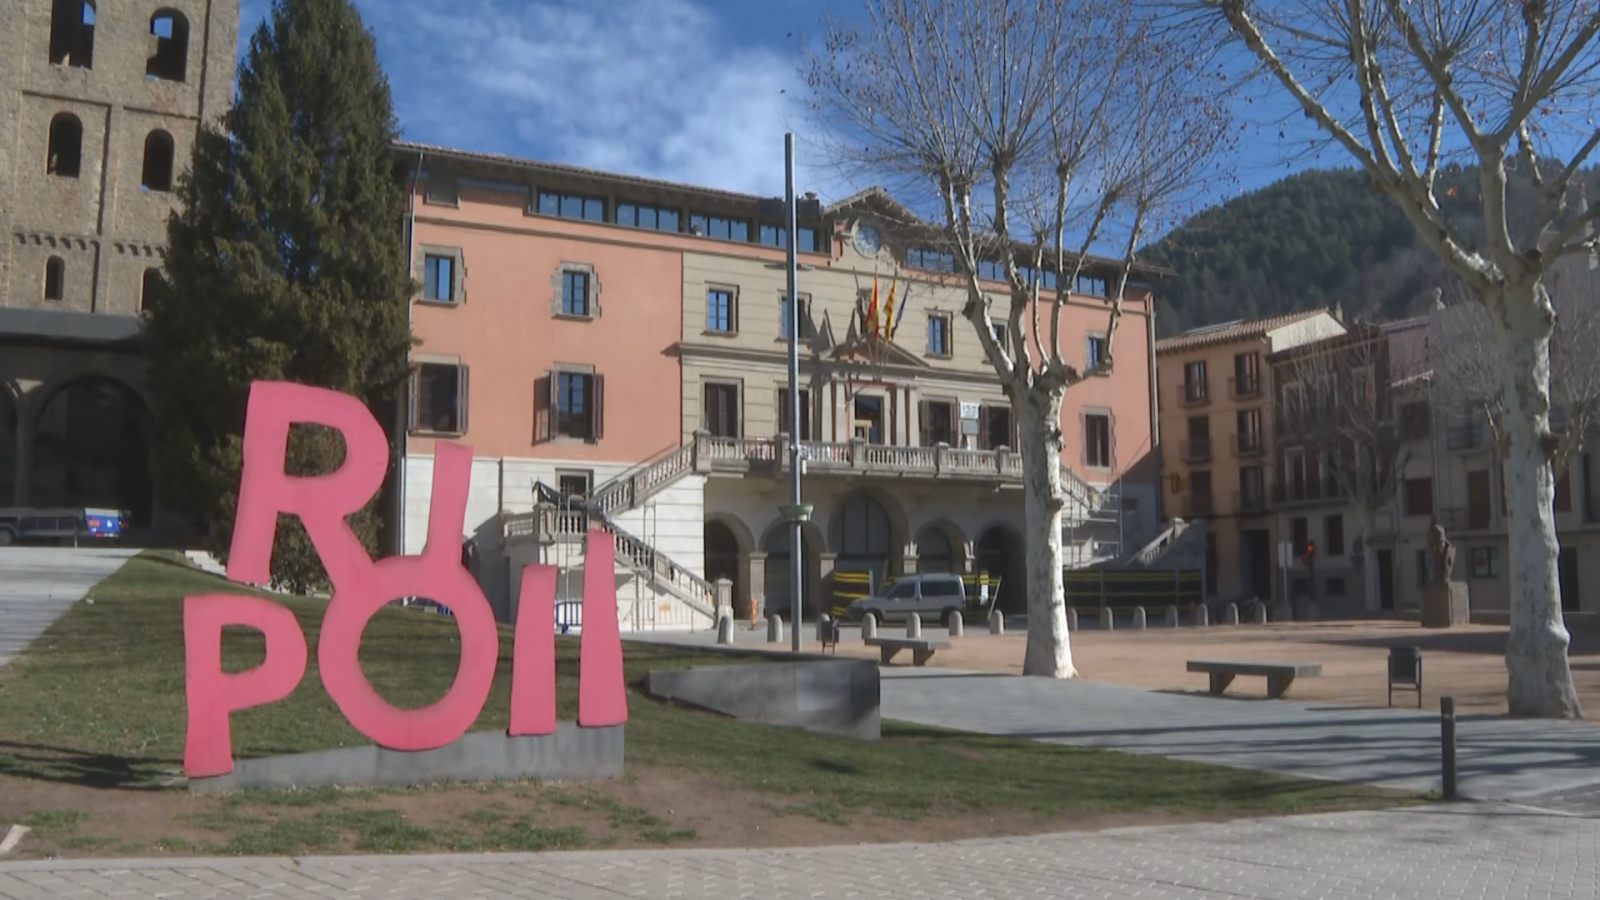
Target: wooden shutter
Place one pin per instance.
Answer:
(598, 410)
(926, 437)
(983, 428)
(1111, 440)
(544, 407)
(463, 395)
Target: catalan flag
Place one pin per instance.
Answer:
(871, 326)
(888, 314)
(900, 314)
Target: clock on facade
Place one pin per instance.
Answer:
(868, 241)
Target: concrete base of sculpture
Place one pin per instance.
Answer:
(571, 754)
(1446, 605)
(832, 697)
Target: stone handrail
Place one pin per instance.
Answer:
(630, 489)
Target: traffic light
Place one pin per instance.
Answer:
(1310, 552)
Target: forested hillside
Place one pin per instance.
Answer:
(1312, 239)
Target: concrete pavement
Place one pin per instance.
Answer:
(38, 584)
(1556, 764)
(1493, 852)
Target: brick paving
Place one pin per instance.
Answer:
(1495, 852)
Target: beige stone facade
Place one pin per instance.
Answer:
(100, 105)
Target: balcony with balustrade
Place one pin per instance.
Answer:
(1194, 394)
(1197, 450)
(1307, 491)
(858, 458)
(1245, 386)
(1247, 444)
(1250, 500)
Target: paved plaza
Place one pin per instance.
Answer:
(1474, 851)
(37, 585)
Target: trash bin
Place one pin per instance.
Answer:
(1405, 671)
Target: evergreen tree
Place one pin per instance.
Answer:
(286, 262)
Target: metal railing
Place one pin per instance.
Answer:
(1197, 449)
(1196, 393)
(1253, 500)
(1248, 443)
(1244, 388)
(1312, 490)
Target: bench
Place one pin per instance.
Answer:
(1279, 675)
(921, 649)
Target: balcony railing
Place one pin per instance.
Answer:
(1244, 387)
(1250, 499)
(1197, 506)
(1248, 443)
(1194, 393)
(1466, 518)
(1469, 436)
(1197, 449)
(719, 454)
(1308, 491)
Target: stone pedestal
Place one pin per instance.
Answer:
(1445, 605)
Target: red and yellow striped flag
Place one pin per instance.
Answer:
(888, 314)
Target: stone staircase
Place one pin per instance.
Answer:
(559, 517)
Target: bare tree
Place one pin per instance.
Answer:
(1336, 395)
(1037, 130)
(1408, 87)
(1467, 360)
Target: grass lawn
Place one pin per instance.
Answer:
(92, 729)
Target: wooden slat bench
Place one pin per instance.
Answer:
(921, 648)
(1279, 675)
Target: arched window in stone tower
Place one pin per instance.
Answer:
(72, 34)
(157, 173)
(65, 156)
(170, 61)
(55, 278)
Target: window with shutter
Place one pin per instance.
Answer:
(439, 398)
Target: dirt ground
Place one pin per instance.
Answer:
(651, 808)
(1466, 662)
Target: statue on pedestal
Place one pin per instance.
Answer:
(1445, 603)
(1444, 553)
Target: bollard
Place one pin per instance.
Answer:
(914, 626)
(869, 627)
(823, 632)
(1108, 620)
(1231, 614)
(1447, 748)
(1138, 618)
(997, 623)
(1202, 616)
(1172, 617)
(775, 629)
(1260, 614)
(1072, 619)
(957, 627)
(725, 629)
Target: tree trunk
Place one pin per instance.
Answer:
(1373, 592)
(1540, 679)
(1049, 652)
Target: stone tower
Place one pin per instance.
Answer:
(100, 105)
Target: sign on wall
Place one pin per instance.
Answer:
(361, 587)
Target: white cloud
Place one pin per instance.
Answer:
(646, 87)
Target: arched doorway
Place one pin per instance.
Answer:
(935, 553)
(722, 561)
(1000, 554)
(777, 588)
(862, 535)
(91, 448)
(10, 425)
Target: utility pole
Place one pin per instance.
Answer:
(794, 513)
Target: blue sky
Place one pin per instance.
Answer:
(699, 91)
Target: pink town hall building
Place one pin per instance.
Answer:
(613, 349)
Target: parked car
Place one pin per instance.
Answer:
(69, 527)
(931, 596)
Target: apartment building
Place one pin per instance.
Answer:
(1456, 472)
(1218, 442)
(626, 343)
(98, 107)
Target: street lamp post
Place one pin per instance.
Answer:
(798, 514)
